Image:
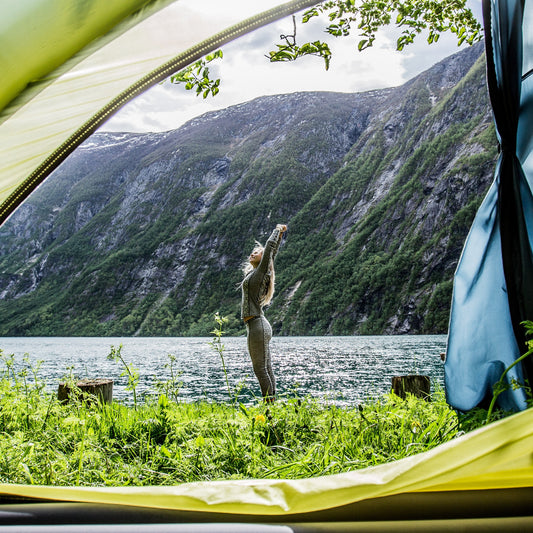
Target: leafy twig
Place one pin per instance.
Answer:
(368, 16)
(218, 347)
(500, 386)
(290, 51)
(196, 76)
(129, 371)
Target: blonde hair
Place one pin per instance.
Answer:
(247, 267)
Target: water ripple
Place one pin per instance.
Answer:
(343, 370)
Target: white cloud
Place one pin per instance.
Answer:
(246, 73)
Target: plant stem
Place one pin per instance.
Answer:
(217, 345)
(499, 388)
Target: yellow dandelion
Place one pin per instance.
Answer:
(260, 419)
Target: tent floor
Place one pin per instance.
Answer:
(481, 510)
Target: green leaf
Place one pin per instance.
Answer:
(27, 473)
(283, 56)
(163, 401)
(165, 452)
(313, 12)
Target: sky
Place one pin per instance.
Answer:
(246, 73)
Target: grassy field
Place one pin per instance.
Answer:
(162, 441)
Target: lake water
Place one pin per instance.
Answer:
(342, 370)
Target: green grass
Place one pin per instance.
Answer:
(163, 442)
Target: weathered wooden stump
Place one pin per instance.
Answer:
(87, 390)
(416, 385)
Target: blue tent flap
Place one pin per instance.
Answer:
(493, 286)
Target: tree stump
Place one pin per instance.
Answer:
(87, 390)
(416, 385)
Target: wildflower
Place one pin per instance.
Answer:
(260, 419)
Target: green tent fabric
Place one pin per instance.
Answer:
(38, 37)
(86, 59)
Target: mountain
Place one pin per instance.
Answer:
(144, 234)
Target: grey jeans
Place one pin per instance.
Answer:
(259, 333)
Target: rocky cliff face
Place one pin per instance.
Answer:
(144, 234)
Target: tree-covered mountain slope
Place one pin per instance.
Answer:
(144, 234)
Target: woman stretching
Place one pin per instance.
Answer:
(257, 291)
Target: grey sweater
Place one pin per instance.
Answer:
(255, 284)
